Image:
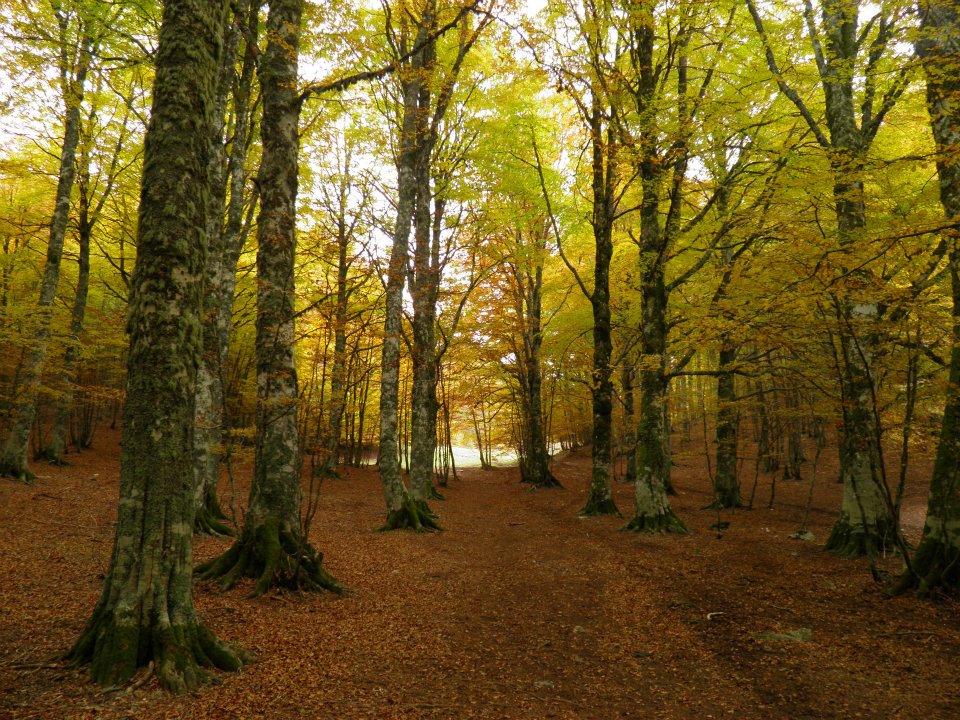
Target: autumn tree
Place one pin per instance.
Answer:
(79, 30)
(272, 547)
(145, 612)
(937, 560)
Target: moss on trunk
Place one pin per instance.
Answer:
(274, 557)
(666, 521)
(183, 654)
(412, 514)
(851, 540)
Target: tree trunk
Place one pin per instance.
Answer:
(600, 499)
(726, 484)
(937, 561)
(402, 510)
(145, 613)
(13, 458)
(57, 447)
(272, 548)
(219, 284)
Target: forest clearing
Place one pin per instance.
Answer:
(516, 610)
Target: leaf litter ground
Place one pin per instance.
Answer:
(517, 610)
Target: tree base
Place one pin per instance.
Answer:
(208, 522)
(210, 518)
(435, 494)
(51, 457)
(851, 541)
(181, 654)
(936, 566)
(666, 522)
(599, 506)
(274, 558)
(726, 502)
(412, 515)
(17, 472)
(545, 481)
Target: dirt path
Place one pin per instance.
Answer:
(517, 610)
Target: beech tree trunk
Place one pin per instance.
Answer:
(600, 498)
(652, 511)
(526, 275)
(403, 511)
(13, 457)
(937, 561)
(272, 548)
(57, 447)
(726, 484)
(146, 613)
(220, 279)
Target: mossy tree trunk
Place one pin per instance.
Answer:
(145, 612)
(73, 67)
(652, 511)
(271, 548)
(225, 240)
(937, 561)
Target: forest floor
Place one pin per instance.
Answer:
(517, 610)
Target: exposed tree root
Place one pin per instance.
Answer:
(209, 523)
(851, 541)
(936, 566)
(181, 654)
(435, 494)
(18, 473)
(413, 515)
(546, 481)
(210, 518)
(274, 558)
(599, 506)
(667, 521)
(726, 502)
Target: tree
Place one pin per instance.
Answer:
(850, 64)
(78, 34)
(145, 612)
(937, 560)
(226, 235)
(272, 547)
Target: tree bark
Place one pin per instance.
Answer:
(219, 281)
(600, 498)
(272, 548)
(937, 561)
(402, 510)
(146, 613)
(652, 511)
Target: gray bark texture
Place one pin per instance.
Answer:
(272, 548)
(220, 276)
(145, 612)
(937, 561)
(13, 457)
(403, 510)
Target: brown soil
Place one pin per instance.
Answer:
(517, 610)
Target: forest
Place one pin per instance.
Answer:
(479, 358)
